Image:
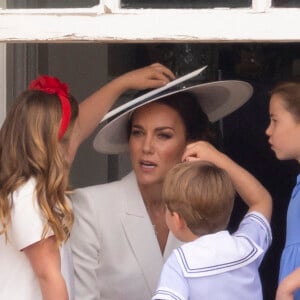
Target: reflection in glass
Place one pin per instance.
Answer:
(286, 3)
(180, 58)
(184, 3)
(51, 3)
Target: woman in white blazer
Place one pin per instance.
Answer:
(120, 239)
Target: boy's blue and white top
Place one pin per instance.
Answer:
(218, 266)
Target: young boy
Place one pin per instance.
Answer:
(213, 264)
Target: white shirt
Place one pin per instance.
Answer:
(218, 266)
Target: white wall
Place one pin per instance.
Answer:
(84, 68)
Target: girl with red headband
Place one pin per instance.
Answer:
(38, 142)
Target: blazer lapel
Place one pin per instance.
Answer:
(141, 235)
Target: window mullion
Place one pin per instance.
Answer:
(111, 6)
(261, 5)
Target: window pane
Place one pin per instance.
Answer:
(286, 3)
(51, 3)
(184, 3)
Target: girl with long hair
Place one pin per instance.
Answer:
(38, 142)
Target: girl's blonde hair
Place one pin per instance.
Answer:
(29, 147)
(201, 193)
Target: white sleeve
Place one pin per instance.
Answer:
(27, 221)
(255, 226)
(172, 284)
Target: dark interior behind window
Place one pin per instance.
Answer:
(286, 3)
(184, 3)
(51, 3)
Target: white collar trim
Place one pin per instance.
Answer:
(215, 254)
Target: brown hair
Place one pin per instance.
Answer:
(201, 193)
(29, 147)
(196, 122)
(290, 92)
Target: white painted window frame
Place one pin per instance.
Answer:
(108, 23)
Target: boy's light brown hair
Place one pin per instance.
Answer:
(202, 194)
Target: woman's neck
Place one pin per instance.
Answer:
(152, 196)
(156, 211)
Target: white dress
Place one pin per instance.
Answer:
(17, 279)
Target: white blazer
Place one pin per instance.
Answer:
(115, 251)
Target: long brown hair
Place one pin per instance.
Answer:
(30, 148)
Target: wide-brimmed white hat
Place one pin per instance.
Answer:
(217, 99)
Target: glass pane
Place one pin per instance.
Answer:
(184, 3)
(286, 3)
(52, 3)
(85, 66)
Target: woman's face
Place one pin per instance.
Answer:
(157, 141)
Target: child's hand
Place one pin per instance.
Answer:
(201, 151)
(288, 286)
(152, 76)
(283, 294)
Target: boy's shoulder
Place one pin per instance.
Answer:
(220, 252)
(256, 227)
(257, 217)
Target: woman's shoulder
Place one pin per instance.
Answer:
(104, 195)
(110, 187)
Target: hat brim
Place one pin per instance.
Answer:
(217, 99)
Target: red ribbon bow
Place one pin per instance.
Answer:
(52, 85)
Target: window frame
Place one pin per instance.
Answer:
(108, 23)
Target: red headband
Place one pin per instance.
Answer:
(52, 85)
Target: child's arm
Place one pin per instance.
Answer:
(44, 258)
(248, 187)
(288, 286)
(93, 109)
